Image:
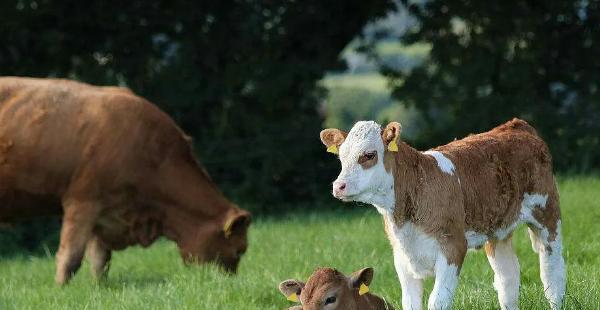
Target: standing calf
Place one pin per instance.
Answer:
(329, 289)
(465, 194)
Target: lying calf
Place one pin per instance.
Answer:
(329, 289)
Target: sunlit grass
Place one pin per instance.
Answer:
(292, 246)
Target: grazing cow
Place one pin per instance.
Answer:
(329, 289)
(465, 194)
(119, 170)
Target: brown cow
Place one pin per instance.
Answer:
(329, 289)
(465, 194)
(119, 170)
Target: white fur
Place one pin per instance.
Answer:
(475, 239)
(414, 249)
(416, 257)
(531, 200)
(446, 281)
(412, 288)
(374, 185)
(552, 266)
(505, 264)
(443, 162)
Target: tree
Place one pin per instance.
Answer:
(240, 76)
(491, 61)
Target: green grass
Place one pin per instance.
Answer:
(291, 247)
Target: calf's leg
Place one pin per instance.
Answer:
(78, 221)
(99, 257)
(446, 281)
(412, 288)
(548, 245)
(505, 264)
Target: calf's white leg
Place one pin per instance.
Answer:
(446, 280)
(552, 265)
(412, 288)
(505, 264)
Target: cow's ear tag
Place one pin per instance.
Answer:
(363, 289)
(293, 297)
(332, 149)
(392, 146)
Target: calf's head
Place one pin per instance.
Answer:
(329, 289)
(222, 242)
(361, 152)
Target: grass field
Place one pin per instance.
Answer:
(349, 238)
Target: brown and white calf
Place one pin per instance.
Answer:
(329, 289)
(465, 194)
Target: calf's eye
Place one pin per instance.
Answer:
(367, 156)
(330, 300)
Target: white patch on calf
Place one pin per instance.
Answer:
(475, 239)
(415, 250)
(531, 201)
(443, 162)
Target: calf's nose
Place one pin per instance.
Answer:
(339, 188)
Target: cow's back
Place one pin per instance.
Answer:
(56, 132)
(496, 168)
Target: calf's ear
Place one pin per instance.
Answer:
(237, 224)
(361, 277)
(291, 289)
(333, 138)
(390, 136)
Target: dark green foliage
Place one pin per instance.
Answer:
(491, 61)
(239, 76)
(38, 236)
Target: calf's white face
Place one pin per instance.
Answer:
(361, 151)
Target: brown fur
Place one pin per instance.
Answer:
(495, 169)
(324, 280)
(118, 168)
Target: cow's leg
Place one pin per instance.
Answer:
(505, 264)
(78, 222)
(412, 288)
(446, 280)
(548, 245)
(99, 257)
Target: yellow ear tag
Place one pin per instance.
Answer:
(392, 146)
(293, 297)
(363, 289)
(332, 149)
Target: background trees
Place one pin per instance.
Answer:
(242, 77)
(239, 76)
(490, 61)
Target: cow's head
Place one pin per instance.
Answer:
(363, 177)
(223, 241)
(329, 289)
